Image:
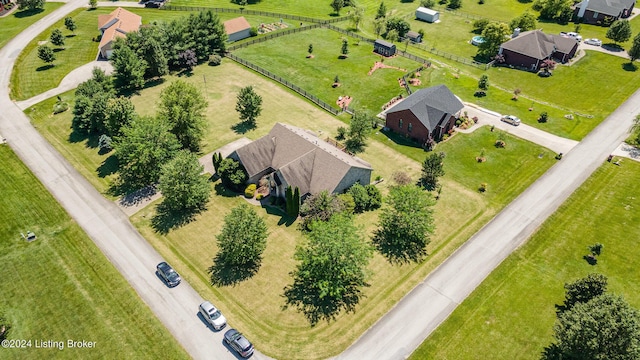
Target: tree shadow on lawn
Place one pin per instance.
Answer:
(221, 190)
(223, 274)
(27, 13)
(153, 82)
(629, 67)
(108, 167)
(305, 298)
(77, 136)
(44, 67)
(167, 219)
(58, 50)
(285, 219)
(399, 139)
(400, 254)
(243, 127)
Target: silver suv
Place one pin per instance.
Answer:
(212, 315)
(511, 120)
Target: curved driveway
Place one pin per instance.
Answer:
(101, 219)
(395, 335)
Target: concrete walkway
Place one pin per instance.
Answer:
(70, 82)
(487, 117)
(137, 201)
(627, 151)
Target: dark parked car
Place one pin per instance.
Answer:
(168, 274)
(238, 342)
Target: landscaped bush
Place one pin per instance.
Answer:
(544, 117)
(104, 143)
(500, 143)
(342, 133)
(215, 60)
(253, 31)
(250, 191)
(483, 187)
(259, 196)
(60, 106)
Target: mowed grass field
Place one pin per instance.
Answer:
(314, 9)
(13, 24)
(61, 287)
(286, 57)
(511, 315)
(254, 306)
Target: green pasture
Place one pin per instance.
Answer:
(60, 287)
(511, 314)
(16, 22)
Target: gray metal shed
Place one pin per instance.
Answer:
(427, 15)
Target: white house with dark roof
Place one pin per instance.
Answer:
(114, 25)
(291, 156)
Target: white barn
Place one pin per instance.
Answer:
(427, 15)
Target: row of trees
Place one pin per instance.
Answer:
(154, 50)
(57, 38)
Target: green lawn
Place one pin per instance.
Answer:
(61, 286)
(13, 24)
(511, 315)
(460, 212)
(316, 75)
(315, 9)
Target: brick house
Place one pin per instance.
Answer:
(289, 155)
(529, 49)
(115, 25)
(429, 112)
(596, 11)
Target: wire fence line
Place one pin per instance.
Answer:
(405, 76)
(286, 83)
(453, 57)
(254, 12)
(272, 35)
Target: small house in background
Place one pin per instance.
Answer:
(237, 29)
(384, 48)
(427, 15)
(427, 113)
(414, 36)
(597, 11)
(114, 25)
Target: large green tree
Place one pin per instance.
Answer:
(319, 207)
(359, 129)
(232, 174)
(634, 50)
(583, 290)
(128, 67)
(119, 112)
(620, 31)
(382, 11)
(552, 9)
(147, 45)
(494, 34)
(30, 4)
(57, 38)
(182, 183)
(606, 327)
(249, 105)
(92, 103)
(46, 54)
(405, 224)
(399, 25)
(243, 238)
(432, 170)
(182, 105)
(525, 22)
(144, 146)
(331, 270)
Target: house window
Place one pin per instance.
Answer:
(409, 127)
(400, 124)
(595, 14)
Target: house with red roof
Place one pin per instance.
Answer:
(237, 29)
(114, 25)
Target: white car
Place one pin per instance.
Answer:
(212, 315)
(513, 120)
(573, 35)
(595, 42)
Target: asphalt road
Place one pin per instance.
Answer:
(396, 334)
(101, 219)
(418, 314)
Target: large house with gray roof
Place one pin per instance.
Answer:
(427, 113)
(529, 49)
(291, 156)
(597, 11)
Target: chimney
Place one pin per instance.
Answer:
(583, 8)
(516, 32)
